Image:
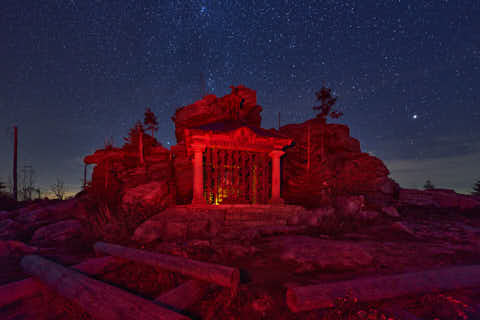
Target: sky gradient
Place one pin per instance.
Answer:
(407, 74)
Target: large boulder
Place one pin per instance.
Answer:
(349, 206)
(15, 248)
(322, 254)
(150, 230)
(150, 197)
(327, 161)
(40, 216)
(240, 104)
(10, 229)
(62, 231)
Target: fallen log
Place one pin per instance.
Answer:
(214, 273)
(14, 291)
(97, 298)
(183, 296)
(380, 288)
(18, 290)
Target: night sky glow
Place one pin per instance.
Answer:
(407, 73)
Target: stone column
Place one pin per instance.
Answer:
(198, 174)
(276, 154)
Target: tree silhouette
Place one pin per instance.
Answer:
(58, 189)
(428, 185)
(3, 187)
(327, 101)
(476, 188)
(134, 134)
(150, 121)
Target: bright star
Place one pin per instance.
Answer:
(415, 116)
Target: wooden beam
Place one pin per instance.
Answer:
(380, 288)
(214, 273)
(18, 290)
(100, 300)
(185, 295)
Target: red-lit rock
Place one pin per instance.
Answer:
(240, 104)
(323, 254)
(325, 161)
(151, 197)
(63, 231)
(391, 212)
(17, 248)
(9, 229)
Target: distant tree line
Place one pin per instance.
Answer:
(475, 190)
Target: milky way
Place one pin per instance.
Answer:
(75, 73)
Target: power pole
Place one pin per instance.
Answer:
(15, 150)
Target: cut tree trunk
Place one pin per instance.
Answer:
(97, 298)
(386, 287)
(214, 273)
(18, 290)
(185, 295)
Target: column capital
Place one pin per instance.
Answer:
(276, 153)
(198, 147)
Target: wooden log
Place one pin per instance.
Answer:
(97, 298)
(185, 295)
(386, 287)
(214, 273)
(18, 290)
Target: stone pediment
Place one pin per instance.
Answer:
(236, 135)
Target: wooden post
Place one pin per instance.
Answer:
(100, 300)
(380, 288)
(214, 273)
(15, 159)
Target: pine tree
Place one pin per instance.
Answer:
(428, 185)
(476, 188)
(327, 101)
(150, 121)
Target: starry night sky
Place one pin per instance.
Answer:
(74, 73)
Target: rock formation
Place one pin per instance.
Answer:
(326, 162)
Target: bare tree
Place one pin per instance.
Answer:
(428, 185)
(2, 187)
(27, 182)
(58, 189)
(476, 188)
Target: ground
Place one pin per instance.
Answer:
(271, 260)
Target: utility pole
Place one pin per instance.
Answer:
(15, 150)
